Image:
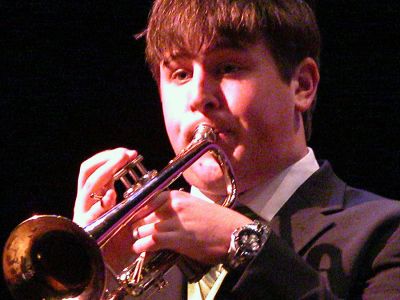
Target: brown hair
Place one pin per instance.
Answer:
(288, 27)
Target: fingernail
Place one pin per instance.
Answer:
(135, 234)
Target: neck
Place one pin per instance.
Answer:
(276, 165)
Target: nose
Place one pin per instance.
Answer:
(203, 93)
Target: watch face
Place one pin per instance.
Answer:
(246, 242)
(249, 241)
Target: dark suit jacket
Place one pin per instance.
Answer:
(330, 241)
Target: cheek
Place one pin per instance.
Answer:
(172, 114)
(264, 104)
(243, 101)
(236, 95)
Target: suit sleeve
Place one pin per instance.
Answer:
(381, 278)
(278, 272)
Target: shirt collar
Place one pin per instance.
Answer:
(268, 198)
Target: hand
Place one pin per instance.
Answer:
(189, 226)
(95, 176)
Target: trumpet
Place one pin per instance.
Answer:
(51, 257)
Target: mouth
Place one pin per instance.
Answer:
(223, 135)
(216, 130)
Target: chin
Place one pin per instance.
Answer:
(207, 176)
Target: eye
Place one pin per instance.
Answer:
(180, 75)
(228, 68)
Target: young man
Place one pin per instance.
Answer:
(250, 70)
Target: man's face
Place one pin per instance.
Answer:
(240, 93)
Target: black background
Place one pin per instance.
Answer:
(74, 82)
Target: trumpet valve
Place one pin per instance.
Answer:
(133, 175)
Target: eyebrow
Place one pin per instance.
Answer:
(184, 54)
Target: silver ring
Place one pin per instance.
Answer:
(97, 198)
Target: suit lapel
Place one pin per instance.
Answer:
(306, 216)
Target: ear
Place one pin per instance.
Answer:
(305, 81)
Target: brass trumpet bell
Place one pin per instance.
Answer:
(50, 257)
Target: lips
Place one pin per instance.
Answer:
(223, 133)
(189, 134)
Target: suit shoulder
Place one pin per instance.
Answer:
(370, 204)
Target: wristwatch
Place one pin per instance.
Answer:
(246, 242)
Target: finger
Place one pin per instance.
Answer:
(109, 199)
(102, 174)
(166, 205)
(151, 218)
(99, 180)
(85, 216)
(155, 242)
(143, 231)
(152, 228)
(95, 211)
(159, 207)
(114, 159)
(91, 164)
